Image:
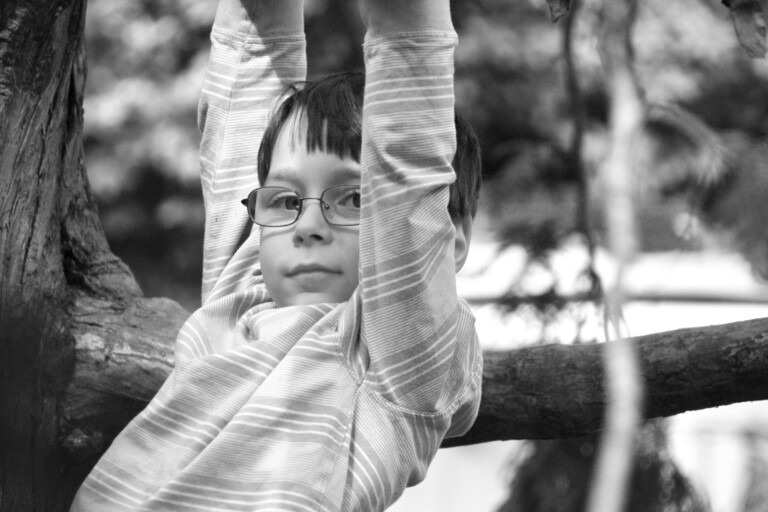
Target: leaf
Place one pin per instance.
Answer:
(558, 8)
(749, 19)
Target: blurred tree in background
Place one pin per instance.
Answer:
(145, 66)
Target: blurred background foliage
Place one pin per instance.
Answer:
(145, 67)
(146, 60)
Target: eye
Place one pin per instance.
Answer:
(350, 198)
(285, 201)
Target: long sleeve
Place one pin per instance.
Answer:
(420, 339)
(245, 74)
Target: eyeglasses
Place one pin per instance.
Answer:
(280, 206)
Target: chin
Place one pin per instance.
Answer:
(311, 298)
(298, 292)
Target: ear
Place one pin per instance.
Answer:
(463, 236)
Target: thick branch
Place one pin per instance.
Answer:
(531, 393)
(124, 352)
(557, 390)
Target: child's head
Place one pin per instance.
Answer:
(318, 126)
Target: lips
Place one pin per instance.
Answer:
(310, 269)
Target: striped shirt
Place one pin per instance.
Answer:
(330, 406)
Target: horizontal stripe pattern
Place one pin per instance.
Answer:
(323, 407)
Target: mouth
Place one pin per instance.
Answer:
(310, 269)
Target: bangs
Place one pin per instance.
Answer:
(325, 115)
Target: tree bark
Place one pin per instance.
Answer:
(555, 391)
(55, 258)
(540, 392)
(40, 165)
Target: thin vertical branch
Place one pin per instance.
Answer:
(576, 145)
(577, 117)
(624, 387)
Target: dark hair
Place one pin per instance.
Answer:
(333, 110)
(467, 162)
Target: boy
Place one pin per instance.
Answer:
(331, 355)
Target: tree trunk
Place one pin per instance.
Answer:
(41, 79)
(55, 258)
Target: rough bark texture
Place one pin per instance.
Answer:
(40, 87)
(123, 355)
(556, 391)
(56, 266)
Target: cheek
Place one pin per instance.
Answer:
(267, 251)
(352, 258)
(270, 255)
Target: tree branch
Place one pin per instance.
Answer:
(549, 391)
(124, 352)
(556, 391)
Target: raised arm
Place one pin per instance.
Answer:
(393, 17)
(257, 49)
(420, 341)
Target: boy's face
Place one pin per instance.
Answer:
(310, 261)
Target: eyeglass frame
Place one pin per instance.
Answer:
(324, 206)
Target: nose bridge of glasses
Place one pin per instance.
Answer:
(325, 208)
(323, 204)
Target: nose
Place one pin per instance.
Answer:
(311, 226)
